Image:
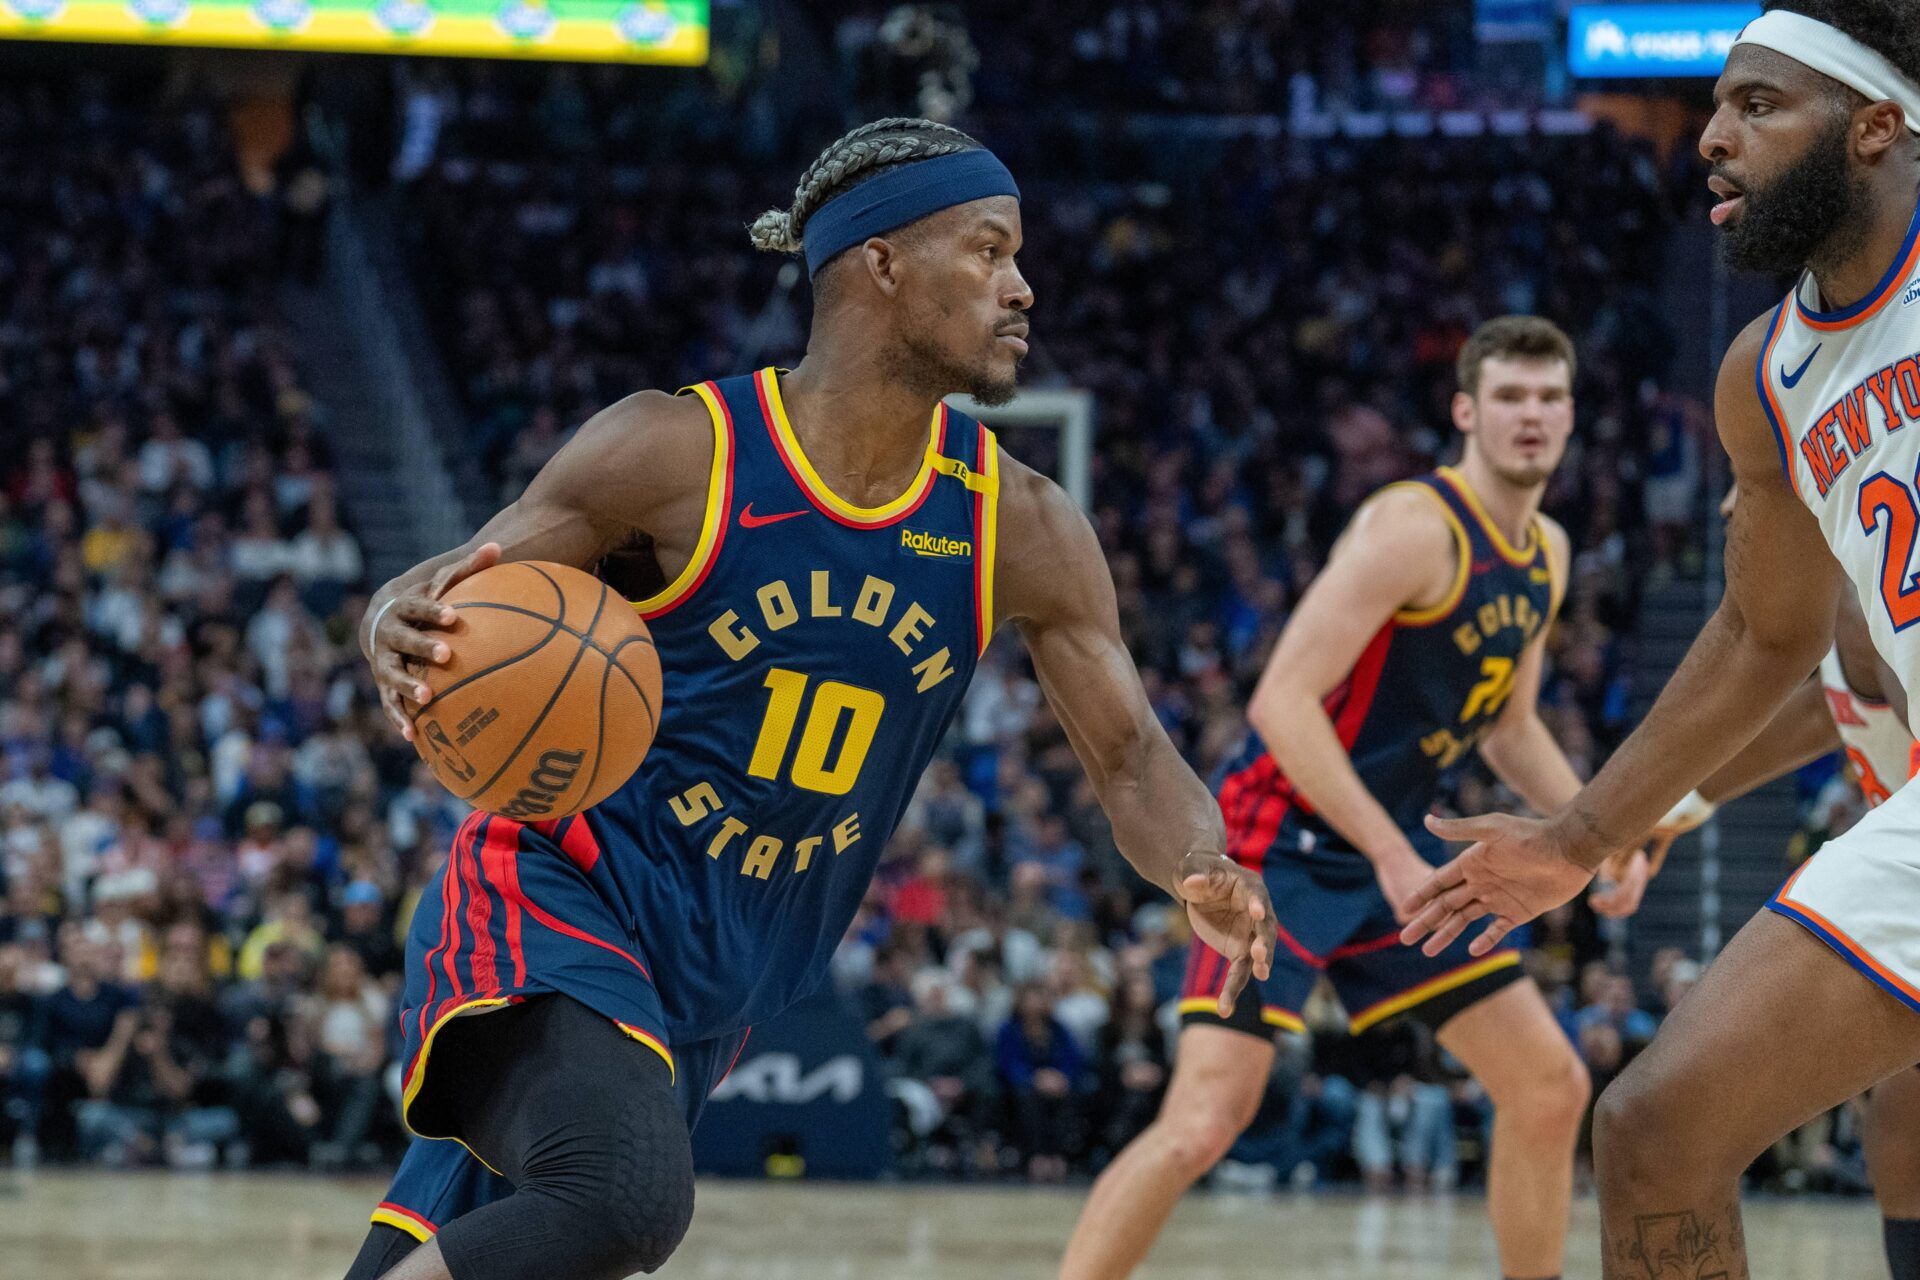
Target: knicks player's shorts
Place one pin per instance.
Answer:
(517, 914)
(1334, 922)
(1861, 895)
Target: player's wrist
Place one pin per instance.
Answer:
(1693, 810)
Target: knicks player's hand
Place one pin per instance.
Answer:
(1230, 911)
(1515, 869)
(1621, 884)
(403, 642)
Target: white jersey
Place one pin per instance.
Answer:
(1842, 389)
(1878, 745)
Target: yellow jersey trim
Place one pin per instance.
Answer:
(989, 534)
(1272, 1015)
(1429, 989)
(1517, 556)
(817, 489)
(419, 1076)
(653, 1044)
(400, 1222)
(1462, 568)
(712, 523)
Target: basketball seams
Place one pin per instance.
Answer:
(653, 717)
(552, 632)
(608, 654)
(586, 642)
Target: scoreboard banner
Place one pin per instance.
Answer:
(662, 31)
(1651, 40)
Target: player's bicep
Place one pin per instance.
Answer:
(1782, 581)
(1393, 554)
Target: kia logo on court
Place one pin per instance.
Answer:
(776, 1078)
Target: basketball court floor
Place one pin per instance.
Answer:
(92, 1226)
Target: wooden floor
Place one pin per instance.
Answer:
(267, 1227)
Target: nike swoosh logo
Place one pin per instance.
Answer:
(1792, 380)
(748, 520)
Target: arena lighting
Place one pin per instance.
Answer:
(1628, 41)
(656, 31)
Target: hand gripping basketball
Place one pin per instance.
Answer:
(404, 630)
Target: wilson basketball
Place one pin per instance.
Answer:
(551, 698)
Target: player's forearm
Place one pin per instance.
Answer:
(1802, 733)
(1729, 687)
(419, 575)
(1160, 811)
(1303, 741)
(1525, 756)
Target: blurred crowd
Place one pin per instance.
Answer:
(212, 842)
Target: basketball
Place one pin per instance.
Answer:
(550, 699)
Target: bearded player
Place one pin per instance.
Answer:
(1816, 159)
(1853, 703)
(1421, 642)
(830, 551)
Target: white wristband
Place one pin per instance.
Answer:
(375, 625)
(1691, 812)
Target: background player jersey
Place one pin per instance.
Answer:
(1878, 745)
(1426, 687)
(1842, 391)
(814, 654)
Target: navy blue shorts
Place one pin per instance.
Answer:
(1334, 922)
(516, 914)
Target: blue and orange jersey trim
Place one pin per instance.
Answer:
(1846, 947)
(1904, 264)
(719, 512)
(1769, 401)
(830, 504)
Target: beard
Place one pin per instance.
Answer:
(926, 367)
(1523, 475)
(1813, 210)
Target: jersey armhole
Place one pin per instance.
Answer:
(713, 522)
(1463, 564)
(1769, 403)
(986, 524)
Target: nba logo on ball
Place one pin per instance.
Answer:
(524, 21)
(403, 17)
(643, 25)
(164, 13)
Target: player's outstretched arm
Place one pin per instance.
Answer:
(1054, 583)
(1770, 630)
(638, 466)
(1801, 733)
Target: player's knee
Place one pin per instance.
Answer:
(1633, 1125)
(1197, 1138)
(625, 1199)
(1558, 1098)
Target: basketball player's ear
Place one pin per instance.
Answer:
(1880, 127)
(883, 260)
(1465, 413)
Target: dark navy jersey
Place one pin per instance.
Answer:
(814, 653)
(1425, 690)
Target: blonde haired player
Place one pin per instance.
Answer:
(1817, 163)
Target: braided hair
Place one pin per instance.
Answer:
(865, 153)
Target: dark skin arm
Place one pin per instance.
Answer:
(636, 469)
(1770, 630)
(1054, 583)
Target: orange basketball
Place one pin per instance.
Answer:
(551, 698)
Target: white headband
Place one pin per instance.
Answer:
(1834, 53)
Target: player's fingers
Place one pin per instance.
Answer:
(1490, 937)
(1446, 876)
(404, 639)
(1237, 974)
(484, 556)
(390, 703)
(1424, 922)
(392, 674)
(417, 609)
(1266, 938)
(1449, 932)
(1466, 830)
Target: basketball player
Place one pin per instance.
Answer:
(1421, 641)
(833, 548)
(1852, 703)
(1816, 159)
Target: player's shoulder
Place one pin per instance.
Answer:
(633, 455)
(1559, 541)
(1048, 558)
(1403, 518)
(1743, 358)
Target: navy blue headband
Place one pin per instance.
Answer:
(901, 195)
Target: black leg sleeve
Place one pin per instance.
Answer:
(385, 1246)
(584, 1122)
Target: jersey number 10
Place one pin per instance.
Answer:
(832, 703)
